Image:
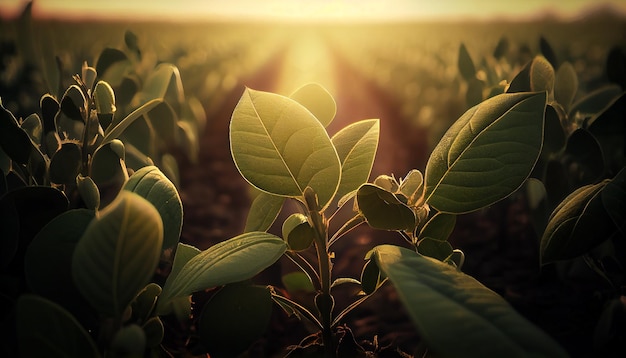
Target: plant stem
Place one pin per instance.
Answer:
(324, 300)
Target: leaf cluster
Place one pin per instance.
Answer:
(281, 147)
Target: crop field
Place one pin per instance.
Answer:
(407, 75)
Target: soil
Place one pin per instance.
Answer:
(500, 244)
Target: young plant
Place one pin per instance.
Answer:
(97, 293)
(281, 147)
(82, 239)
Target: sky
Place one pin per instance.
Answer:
(301, 10)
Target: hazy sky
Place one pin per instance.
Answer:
(301, 9)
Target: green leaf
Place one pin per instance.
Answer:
(297, 232)
(583, 158)
(370, 277)
(521, 81)
(541, 75)
(145, 302)
(49, 108)
(163, 120)
(108, 57)
(594, 102)
(356, 146)
(23, 212)
(554, 134)
(14, 141)
(609, 128)
(229, 261)
(566, 85)
(89, 192)
(297, 281)
(73, 104)
(234, 318)
(187, 138)
(131, 41)
(184, 253)
(45, 329)
(108, 169)
(412, 186)
(387, 182)
(118, 253)
(439, 227)
(129, 341)
(150, 183)
(434, 248)
(48, 259)
(487, 153)
(465, 63)
(115, 130)
(281, 148)
(616, 66)
(614, 200)
(318, 101)
(154, 331)
(88, 75)
(547, 51)
(165, 78)
(263, 212)
(501, 48)
(455, 314)
(383, 210)
(474, 94)
(577, 225)
(104, 98)
(181, 306)
(65, 164)
(33, 127)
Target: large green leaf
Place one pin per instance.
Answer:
(229, 261)
(577, 225)
(318, 101)
(234, 318)
(383, 210)
(455, 314)
(281, 148)
(154, 186)
(48, 259)
(45, 329)
(487, 153)
(356, 146)
(263, 212)
(118, 253)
